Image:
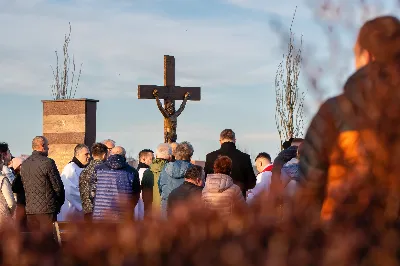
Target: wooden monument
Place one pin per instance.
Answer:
(169, 93)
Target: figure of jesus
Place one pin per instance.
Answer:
(170, 116)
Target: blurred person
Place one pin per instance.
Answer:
(220, 193)
(172, 176)
(352, 135)
(264, 168)
(44, 189)
(173, 147)
(7, 157)
(191, 187)
(290, 173)
(118, 188)
(146, 157)
(7, 201)
(19, 192)
(242, 169)
(149, 183)
(110, 145)
(87, 178)
(72, 208)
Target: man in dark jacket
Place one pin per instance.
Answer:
(192, 186)
(242, 170)
(44, 190)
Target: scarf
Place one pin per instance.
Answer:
(268, 168)
(142, 165)
(77, 162)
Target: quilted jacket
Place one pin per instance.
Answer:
(117, 181)
(221, 195)
(44, 190)
(86, 180)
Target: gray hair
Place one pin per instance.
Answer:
(108, 141)
(194, 172)
(163, 151)
(78, 148)
(227, 135)
(38, 142)
(184, 151)
(118, 150)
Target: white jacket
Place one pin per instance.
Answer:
(7, 200)
(139, 209)
(8, 173)
(73, 204)
(263, 182)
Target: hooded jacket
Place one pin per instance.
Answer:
(117, 182)
(171, 177)
(221, 194)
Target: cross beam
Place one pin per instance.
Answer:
(169, 91)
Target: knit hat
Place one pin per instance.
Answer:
(17, 161)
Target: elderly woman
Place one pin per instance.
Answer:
(173, 175)
(7, 201)
(219, 193)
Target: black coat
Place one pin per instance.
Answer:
(44, 190)
(183, 192)
(242, 169)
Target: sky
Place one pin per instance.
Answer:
(227, 47)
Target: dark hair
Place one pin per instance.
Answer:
(194, 172)
(286, 144)
(144, 152)
(99, 149)
(223, 165)
(3, 147)
(381, 38)
(263, 155)
(227, 134)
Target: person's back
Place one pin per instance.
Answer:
(44, 190)
(242, 169)
(351, 136)
(117, 188)
(220, 193)
(191, 187)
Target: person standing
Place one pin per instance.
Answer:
(264, 168)
(87, 179)
(110, 145)
(44, 189)
(19, 192)
(118, 188)
(172, 176)
(7, 201)
(242, 169)
(150, 191)
(72, 208)
(7, 157)
(146, 157)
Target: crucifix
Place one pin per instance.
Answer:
(169, 93)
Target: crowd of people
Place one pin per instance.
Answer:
(351, 142)
(99, 185)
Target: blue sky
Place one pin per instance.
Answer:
(225, 46)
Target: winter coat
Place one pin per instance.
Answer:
(150, 179)
(7, 201)
(8, 173)
(86, 181)
(221, 194)
(290, 176)
(185, 191)
(282, 158)
(18, 189)
(72, 208)
(242, 169)
(44, 190)
(170, 178)
(117, 182)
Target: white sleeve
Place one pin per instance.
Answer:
(72, 194)
(263, 182)
(8, 194)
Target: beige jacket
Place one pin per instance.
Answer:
(221, 195)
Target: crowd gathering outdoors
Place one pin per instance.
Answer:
(351, 142)
(99, 185)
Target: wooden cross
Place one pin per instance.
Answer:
(169, 92)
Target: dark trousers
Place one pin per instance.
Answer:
(41, 222)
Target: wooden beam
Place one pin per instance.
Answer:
(172, 93)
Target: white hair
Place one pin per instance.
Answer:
(163, 151)
(184, 151)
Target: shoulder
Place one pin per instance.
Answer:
(212, 154)
(129, 169)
